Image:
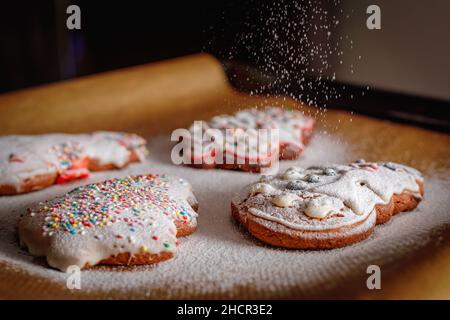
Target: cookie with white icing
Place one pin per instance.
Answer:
(128, 221)
(294, 129)
(328, 206)
(33, 162)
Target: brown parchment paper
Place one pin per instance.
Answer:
(157, 98)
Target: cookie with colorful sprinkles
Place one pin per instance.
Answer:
(128, 221)
(33, 162)
(326, 207)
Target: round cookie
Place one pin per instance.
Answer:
(127, 221)
(326, 207)
(295, 130)
(30, 163)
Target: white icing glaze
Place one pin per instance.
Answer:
(292, 228)
(261, 188)
(321, 206)
(330, 197)
(24, 157)
(292, 126)
(93, 222)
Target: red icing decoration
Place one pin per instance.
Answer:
(72, 174)
(77, 170)
(80, 163)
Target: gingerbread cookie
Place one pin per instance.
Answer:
(129, 221)
(326, 207)
(294, 131)
(29, 163)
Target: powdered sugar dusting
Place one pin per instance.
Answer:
(221, 259)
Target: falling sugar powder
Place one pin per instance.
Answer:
(297, 45)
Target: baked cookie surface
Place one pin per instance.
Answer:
(326, 207)
(33, 162)
(294, 131)
(128, 221)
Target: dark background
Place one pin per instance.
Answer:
(37, 48)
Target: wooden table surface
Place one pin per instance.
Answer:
(160, 97)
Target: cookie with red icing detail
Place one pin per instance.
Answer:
(29, 163)
(128, 221)
(326, 207)
(294, 132)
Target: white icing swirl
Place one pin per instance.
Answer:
(242, 125)
(322, 206)
(94, 222)
(284, 200)
(261, 188)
